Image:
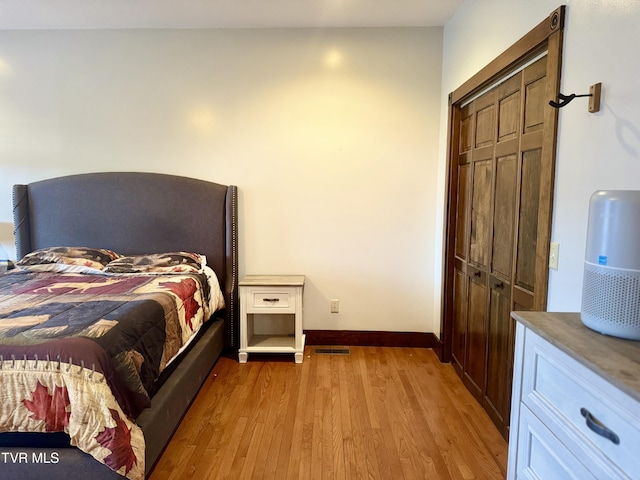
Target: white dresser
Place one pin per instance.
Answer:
(575, 411)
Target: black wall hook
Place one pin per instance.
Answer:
(594, 101)
(566, 99)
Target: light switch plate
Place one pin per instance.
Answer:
(554, 252)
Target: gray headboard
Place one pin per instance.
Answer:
(135, 213)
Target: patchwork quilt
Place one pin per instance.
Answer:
(81, 353)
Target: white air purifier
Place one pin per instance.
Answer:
(611, 289)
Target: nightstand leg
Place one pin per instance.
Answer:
(242, 357)
(298, 357)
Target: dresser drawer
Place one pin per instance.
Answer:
(543, 456)
(600, 422)
(271, 300)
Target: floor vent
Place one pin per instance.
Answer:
(333, 351)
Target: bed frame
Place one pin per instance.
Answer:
(132, 213)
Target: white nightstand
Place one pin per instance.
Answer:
(271, 315)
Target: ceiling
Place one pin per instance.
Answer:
(90, 14)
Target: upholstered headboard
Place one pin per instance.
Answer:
(135, 213)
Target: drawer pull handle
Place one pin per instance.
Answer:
(477, 274)
(596, 426)
(271, 300)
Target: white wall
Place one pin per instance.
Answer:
(595, 151)
(335, 157)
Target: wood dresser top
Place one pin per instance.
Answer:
(615, 359)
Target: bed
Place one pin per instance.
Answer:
(129, 214)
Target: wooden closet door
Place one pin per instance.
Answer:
(535, 180)
(461, 246)
(499, 332)
(519, 193)
(480, 227)
(499, 175)
(499, 208)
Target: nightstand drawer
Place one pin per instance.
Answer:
(274, 300)
(582, 405)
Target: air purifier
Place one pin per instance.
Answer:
(611, 288)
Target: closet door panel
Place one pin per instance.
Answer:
(462, 212)
(499, 351)
(459, 342)
(504, 216)
(476, 336)
(535, 83)
(485, 126)
(508, 94)
(528, 220)
(466, 130)
(481, 214)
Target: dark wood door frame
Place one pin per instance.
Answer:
(547, 35)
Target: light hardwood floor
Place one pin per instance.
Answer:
(378, 413)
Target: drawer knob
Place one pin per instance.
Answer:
(598, 427)
(271, 300)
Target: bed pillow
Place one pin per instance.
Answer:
(61, 259)
(170, 262)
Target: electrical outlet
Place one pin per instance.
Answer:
(335, 305)
(554, 252)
